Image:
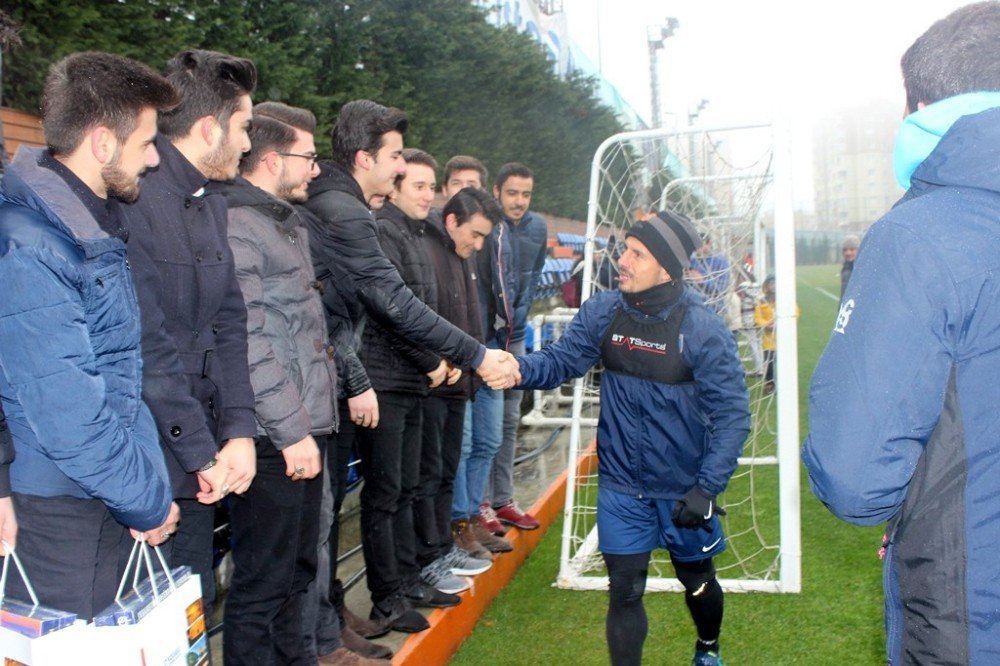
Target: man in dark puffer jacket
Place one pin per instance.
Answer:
(401, 375)
(359, 281)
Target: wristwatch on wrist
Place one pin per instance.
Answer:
(209, 465)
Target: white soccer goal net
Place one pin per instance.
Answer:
(732, 183)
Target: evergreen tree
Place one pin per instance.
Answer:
(467, 86)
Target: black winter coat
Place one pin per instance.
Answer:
(392, 363)
(360, 282)
(457, 297)
(194, 323)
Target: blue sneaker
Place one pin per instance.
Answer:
(706, 658)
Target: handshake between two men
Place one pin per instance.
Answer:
(499, 369)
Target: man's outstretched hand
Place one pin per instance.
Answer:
(499, 369)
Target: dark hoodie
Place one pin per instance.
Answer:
(359, 281)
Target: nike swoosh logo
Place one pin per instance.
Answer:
(710, 546)
(708, 516)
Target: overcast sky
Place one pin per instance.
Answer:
(753, 60)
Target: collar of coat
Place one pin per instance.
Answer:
(332, 176)
(394, 214)
(178, 174)
(241, 193)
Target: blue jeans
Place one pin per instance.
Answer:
(480, 441)
(500, 481)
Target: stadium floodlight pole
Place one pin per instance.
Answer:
(656, 37)
(692, 117)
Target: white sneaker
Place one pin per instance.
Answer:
(438, 575)
(463, 564)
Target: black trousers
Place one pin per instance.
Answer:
(191, 545)
(390, 461)
(442, 448)
(275, 527)
(70, 549)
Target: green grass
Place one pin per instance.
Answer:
(836, 619)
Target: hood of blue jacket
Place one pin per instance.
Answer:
(966, 156)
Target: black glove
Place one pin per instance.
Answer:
(696, 509)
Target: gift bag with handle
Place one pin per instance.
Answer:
(161, 621)
(33, 635)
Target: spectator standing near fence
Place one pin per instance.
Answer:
(88, 464)
(529, 234)
(194, 322)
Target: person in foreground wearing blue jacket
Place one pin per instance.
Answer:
(88, 464)
(674, 417)
(902, 405)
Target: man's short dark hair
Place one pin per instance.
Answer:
(958, 54)
(299, 118)
(362, 125)
(469, 201)
(210, 84)
(88, 89)
(512, 169)
(466, 163)
(273, 128)
(417, 156)
(266, 134)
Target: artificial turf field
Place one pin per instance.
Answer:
(836, 619)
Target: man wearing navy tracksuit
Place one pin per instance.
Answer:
(674, 417)
(902, 406)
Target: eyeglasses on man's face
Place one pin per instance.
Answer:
(313, 158)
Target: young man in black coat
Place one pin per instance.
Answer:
(194, 335)
(359, 282)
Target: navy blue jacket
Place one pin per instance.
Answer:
(653, 439)
(903, 406)
(530, 236)
(498, 279)
(196, 379)
(70, 366)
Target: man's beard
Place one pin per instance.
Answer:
(118, 182)
(291, 191)
(221, 163)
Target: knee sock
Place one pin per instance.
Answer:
(626, 625)
(704, 598)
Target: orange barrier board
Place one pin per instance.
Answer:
(451, 626)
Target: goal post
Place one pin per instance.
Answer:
(734, 183)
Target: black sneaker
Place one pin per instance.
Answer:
(398, 614)
(422, 595)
